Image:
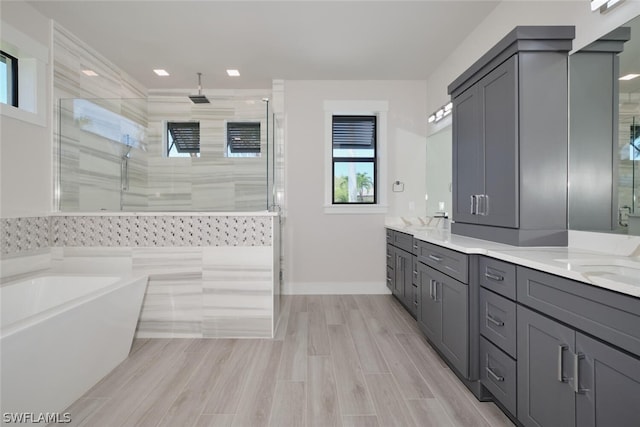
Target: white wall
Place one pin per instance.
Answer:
(508, 14)
(25, 147)
(329, 253)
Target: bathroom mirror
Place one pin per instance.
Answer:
(439, 172)
(604, 142)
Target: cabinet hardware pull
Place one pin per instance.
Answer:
(494, 321)
(561, 350)
(415, 273)
(435, 291)
(493, 277)
(388, 279)
(431, 288)
(388, 256)
(493, 375)
(485, 210)
(415, 247)
(576, 374)
(473, 204)
(435, 258)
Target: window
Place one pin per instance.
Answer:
(8, 79)
(354, 159)
(243, 139)
(23, 60)
(364, 157)
(183, 139)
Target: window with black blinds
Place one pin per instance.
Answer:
(243, 138)
(354, 155)
(184, 137)
(356, 132)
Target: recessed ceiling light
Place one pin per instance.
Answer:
(90, 73)
(629, 77)
(233, 73)
(161, 72)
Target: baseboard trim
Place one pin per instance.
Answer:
(335, 288)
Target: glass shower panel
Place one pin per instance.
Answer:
(121, 155)
(99, 165)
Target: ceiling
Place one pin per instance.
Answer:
(266, 40)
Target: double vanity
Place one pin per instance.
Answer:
(525, 312)
(551, 334)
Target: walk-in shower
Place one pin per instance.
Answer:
(142, 155)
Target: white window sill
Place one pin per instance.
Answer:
(355, 209)
(23, 115)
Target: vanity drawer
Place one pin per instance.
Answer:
(605, 314)
(403, 241)
(498, 374)
(451, 263)
(499, 276)
(498, 321)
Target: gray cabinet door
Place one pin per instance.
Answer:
(498, 94)
(609, 385)
(453, 297)
(467, 155)
(398, 282)
(429, 309)
(545, 389)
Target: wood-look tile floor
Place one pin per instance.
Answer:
(348, 360)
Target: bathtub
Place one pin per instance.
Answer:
(60, 334)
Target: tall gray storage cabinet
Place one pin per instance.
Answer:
(510, 140)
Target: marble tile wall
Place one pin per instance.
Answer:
(88, 166)
(212, 181)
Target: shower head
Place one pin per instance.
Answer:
(199, 98)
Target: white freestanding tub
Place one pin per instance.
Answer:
(59, 335)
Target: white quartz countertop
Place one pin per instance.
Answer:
(603, 269)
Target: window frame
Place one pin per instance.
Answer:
(357, 108)
(12, 79)
(32, 76)
(347, 159)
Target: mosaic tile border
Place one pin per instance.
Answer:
(160, 231)
(28, 234)
(25, 234)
